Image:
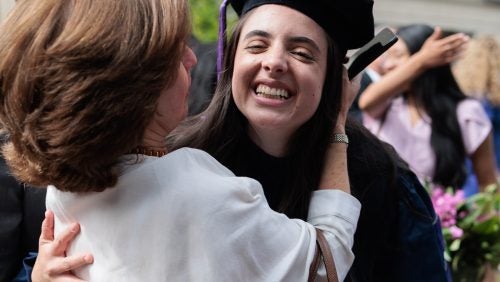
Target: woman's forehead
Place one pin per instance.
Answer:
(282, 20)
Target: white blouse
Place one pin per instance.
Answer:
(185, 217)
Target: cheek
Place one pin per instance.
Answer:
(314, 103)
(243, 74)
(314, 99)
(315, 88)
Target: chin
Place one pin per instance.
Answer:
(270, 123)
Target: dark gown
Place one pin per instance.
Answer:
(397, 238)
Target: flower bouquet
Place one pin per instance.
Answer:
(471, 230)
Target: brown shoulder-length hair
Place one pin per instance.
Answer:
(220, 128)
(80, 80)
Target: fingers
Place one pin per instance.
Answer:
(62, 241)
(67, 264)
(455, 54)
(47, 233)
(454, 46)
(438, 52)
(436, 34)
(454, 41)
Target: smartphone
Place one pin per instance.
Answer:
(370, 51)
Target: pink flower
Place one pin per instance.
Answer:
(445, 204)
(456, 232)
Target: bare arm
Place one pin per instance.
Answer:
(484, 163)
(435, 52)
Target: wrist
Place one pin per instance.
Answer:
(339, 130)
(420, 61)
(337, 137)
(340, 125)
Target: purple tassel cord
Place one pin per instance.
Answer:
(222, 37)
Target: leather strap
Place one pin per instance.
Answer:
(323, 249)
(313, 270)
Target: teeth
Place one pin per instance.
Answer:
(273, 93)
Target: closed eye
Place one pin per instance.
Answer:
(303, 55)
(255, 47)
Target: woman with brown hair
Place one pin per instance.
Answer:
(87, 103)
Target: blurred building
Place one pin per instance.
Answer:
(470, 16)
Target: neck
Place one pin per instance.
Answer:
(154, 139)
(273, 142)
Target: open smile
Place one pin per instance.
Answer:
(272, 93)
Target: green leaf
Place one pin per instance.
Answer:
(455, 245)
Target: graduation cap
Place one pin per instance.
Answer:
(348, 22)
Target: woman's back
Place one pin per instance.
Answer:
(185, 217)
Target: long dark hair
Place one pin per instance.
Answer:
(437, 92)
(439, 95)
(220, 129)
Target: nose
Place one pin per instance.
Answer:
(275, 62)
(189, 59)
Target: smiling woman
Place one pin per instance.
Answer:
(288, 60)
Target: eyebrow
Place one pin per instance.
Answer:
(306, 40)
(260, 33)
(294, 39)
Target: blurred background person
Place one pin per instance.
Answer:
(478, 74)
(419, 108)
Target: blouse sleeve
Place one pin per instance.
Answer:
(337, 213)
(277, 248)
(474, 124)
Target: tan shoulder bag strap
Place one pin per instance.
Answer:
(323, 249)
